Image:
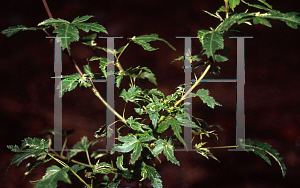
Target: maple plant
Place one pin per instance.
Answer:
(141, 137)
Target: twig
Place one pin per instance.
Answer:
(93, 88)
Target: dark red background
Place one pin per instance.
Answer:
(271, 92)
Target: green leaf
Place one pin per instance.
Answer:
(231, 20)
(120, 163)
(221, 9)
(69, 33)
(148, 75)
(130, 143)
(133, 93)
(263, 150)
(102, 168)
(119, 78)
(146, 137)
(291, 18)
(185, 122)
(167, 148)
(151, 173)
(163, 126)
(134, 125)
(136, 152)
(86, 27)
(70, 30)
(234, 3)
(87, 69)
(103, 64)
(175, 124)
(153, 110)
(204, 151)
(259, 7)
(220, 58)
(54, 22)
(52, 176)
(15, 29)
(258, 20)
(144, 39)
(81, 146)
(265, 3)
(69, 83)
(210, 101)
(156, 92)
(31, 147)
(77, 167)
(212, 41)
(97, 154)
(89, 40)
(81, 19)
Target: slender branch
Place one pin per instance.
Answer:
(72, 160)
(226, 8)
(221, 147)
(80, 72)
(64, 145)
(118, 57)
(191, 89)
(88, 157)
(66, 166)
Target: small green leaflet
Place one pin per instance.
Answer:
(220, 58)
(120, 163)
(156, 92)
(258, 20)
(102, 168)
(144, 39)
(226, 24)
(167, 148)
(130, 143)
(291, 18)
(134, 124)
(69, 83)
(234, 3)
(265, 3)
(148, 75)
(133, 93)
(52, 176)
(212, 41)
(204, 151)
(210, 101)
(77, 167)
(103, 64)
(31, 147)
(89, 40)
(70, 30)
(151, 173)
(153, 109)
(81, 146)
(15, 29)
(262, 149)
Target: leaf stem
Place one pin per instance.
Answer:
(72, 160)
(195, 85)
(221, 147)
(226, 8)
(66, 166)
(118, 57)
(88, 157)
(107, 105)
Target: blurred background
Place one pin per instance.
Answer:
(272, 63)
